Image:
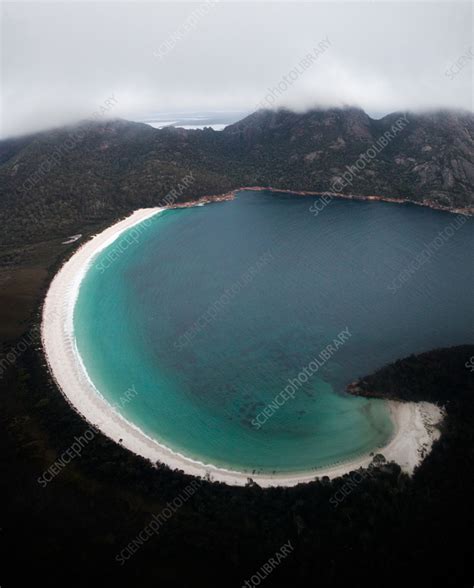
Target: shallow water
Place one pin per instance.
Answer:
(212, 310)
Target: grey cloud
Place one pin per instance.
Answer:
(62, 61)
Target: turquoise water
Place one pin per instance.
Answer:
(201, 383)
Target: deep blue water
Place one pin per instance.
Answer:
(146, 322)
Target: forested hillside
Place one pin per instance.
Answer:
(53, 182)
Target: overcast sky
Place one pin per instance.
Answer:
(61, 61)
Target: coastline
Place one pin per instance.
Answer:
(414, 423)
(332, 195)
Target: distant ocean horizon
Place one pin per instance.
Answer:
(213, 311)
(217, 120)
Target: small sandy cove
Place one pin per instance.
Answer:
(415, 423)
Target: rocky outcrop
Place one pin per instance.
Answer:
(51, 182)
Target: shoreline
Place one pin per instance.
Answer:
(469, 211)
(414, 423)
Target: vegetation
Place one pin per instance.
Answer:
(79, 179)
(53, 182)
(387, 528)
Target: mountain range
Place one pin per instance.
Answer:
(55, 181)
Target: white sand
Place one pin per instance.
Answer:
(415, 423)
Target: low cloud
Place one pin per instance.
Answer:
(62, 60)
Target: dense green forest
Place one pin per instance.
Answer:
(363, 528)
(366, 528)
(81, 178)
(53, 182)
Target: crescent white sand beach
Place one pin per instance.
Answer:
(415, 424)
